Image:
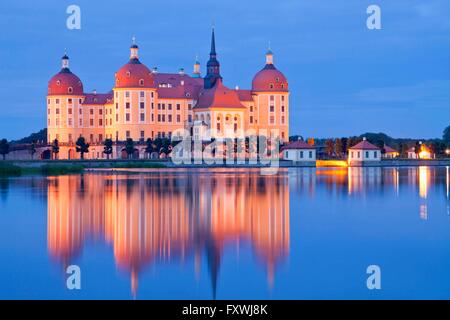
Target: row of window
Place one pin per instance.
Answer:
(367, 154)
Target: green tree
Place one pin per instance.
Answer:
(82, 147)
(129, 147)
(4, 148)
(149, 147)
(338, 147)
(108, 147)
(55, 148)
(329, 147)
(446, 135)
(33, 149)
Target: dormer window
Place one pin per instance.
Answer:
(128, 74)
(58, 83)
(70, 90)
(188, 94)
(141, 82)
(282, 86)
(271, 86)
(277, 79)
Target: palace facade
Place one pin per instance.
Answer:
(145, 104)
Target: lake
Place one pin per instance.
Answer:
(303, 233)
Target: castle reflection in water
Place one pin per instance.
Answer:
(167, 216)
(173, 215)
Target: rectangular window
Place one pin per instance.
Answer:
(189, 106)
(91, 111)
(251, 119)
(49, 111)
(100, 137)
(142, 105)
(178, 118)
(127, 117)
(301, 154)
(142, 134)
(169, 106)
(117, 106)
(127, 94)
(57, 101)
(282, 98)
(142, 117)
(142, 94)
(69, 101)
(117, 118)
(163, 118)
(70, 137)
(48, 122)
(152, 105)
(310, 154)
(282, 108)
(282, 120)
(57, 110)
(100, 111)
(100, 122)
(272, 109)
(367, 154)
(163, 106)
(189, 118)
(91, 122)
(127, 105)
(69, 122)
(272, 119)
(169, 118)
(159, 118)
(272, 98)
(80, 111)
(159, 106)
(153, 118)
(178, 106)
(251, 108)
(128, 134)
(151, 94)
(91, 137)
(375, 154)
(80, 122)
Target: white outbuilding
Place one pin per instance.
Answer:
(299, 151)
(363, 152)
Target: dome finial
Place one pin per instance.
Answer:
(269, 55)
(196, 72)
(134, 49)
(65, 61)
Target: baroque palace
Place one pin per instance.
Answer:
(147, 104)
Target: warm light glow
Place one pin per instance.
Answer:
(447, 151)
(332, 163)
(423, 181)
(424, 154)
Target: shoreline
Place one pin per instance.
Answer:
(59, 167)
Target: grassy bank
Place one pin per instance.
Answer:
(8, 169)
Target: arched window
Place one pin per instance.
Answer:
(128, 74)
(271, 86)
(70, 90)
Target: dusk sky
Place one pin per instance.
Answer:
(344, 79)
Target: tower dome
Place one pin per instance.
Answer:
(134, 74)
(65, 82)
(269, 78)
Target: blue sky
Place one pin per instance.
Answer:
(344, 79)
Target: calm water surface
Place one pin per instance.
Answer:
(228, 234)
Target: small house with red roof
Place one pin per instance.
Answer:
(299, 151)
(390, 153)
(363, 152)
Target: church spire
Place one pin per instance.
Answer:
(213, 66)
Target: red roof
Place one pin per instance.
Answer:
(134, 75)
(299, 144)
(364, 145)
(245, 95)
(98, 98)
(269, 79)
(218, 96)
(390, 150)
(175, 79)
(65, 83)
